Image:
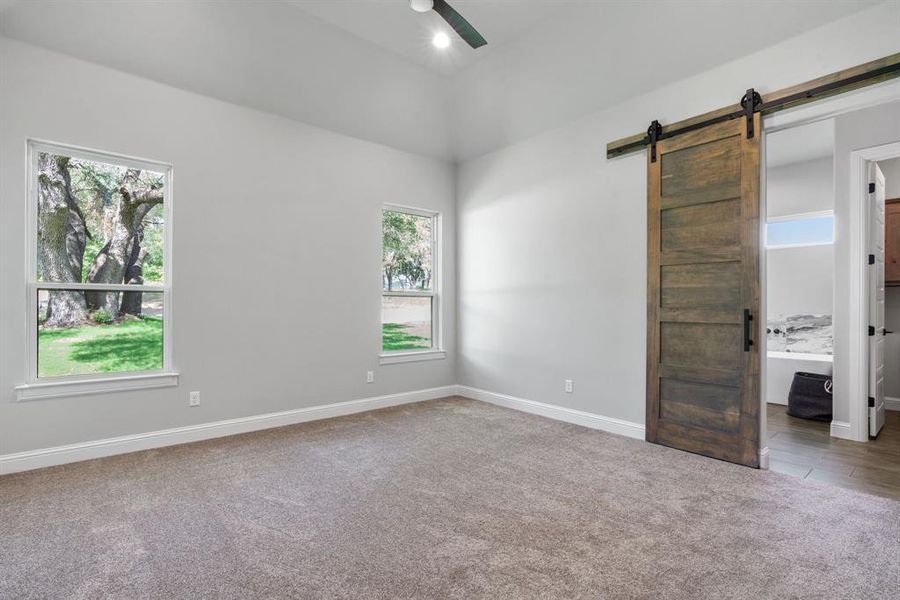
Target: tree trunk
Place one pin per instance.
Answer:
(134, 274)
(121, 253)
(109, 265)
(61, 240)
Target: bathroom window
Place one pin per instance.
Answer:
(801, 230)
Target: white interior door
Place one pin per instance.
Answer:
(876, 300)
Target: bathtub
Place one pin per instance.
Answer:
(780, 369)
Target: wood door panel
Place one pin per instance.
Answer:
(705, 196)
(692, 415)
(687, 171)
(717, 345)
(710, 225)
(692, 257)
(722, 211)
(703, 271)
(699, 314)
(705, 285)
(724, 377)
(723, 445)
(710, 396)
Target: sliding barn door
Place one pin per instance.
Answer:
(703, 293)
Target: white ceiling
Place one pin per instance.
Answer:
(265, 55)
(366, 68)
(392, 25)
(595, 55)
(800, 144)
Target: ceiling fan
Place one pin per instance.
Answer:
(456, 21)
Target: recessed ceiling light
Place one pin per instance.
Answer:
(441, 40)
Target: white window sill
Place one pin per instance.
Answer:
(407, 357)
(804, 245)
(126, 383)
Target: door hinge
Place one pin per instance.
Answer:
(871, 259)
(871, 402)
(871, 330)
(871, 188)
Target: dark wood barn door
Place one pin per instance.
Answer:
(703, 293)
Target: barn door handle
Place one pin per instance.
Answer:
(747, 341)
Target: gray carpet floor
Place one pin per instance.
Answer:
(445, 499)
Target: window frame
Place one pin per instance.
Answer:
(801, 217)
(73, 385)
(436, 352)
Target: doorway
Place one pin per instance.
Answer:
(819, 304)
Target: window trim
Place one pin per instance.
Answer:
(74, 385)
(436, 352)
(800, 217)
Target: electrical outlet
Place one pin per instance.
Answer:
(570, 386)
(195, 399)
(370, 376)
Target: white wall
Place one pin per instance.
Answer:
(853, 131)
(277, 250)
(800, 280)
(552, 235)
(799, 188)
(891, 170)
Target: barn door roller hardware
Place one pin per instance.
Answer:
(653, 134)
(655, 131)
(863, 75)
(751, 103)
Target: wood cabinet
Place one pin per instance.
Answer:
(892, 242)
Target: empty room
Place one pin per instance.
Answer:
(449, 299)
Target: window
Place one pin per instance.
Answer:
(99, 262)
(805, 230)
(410, 283)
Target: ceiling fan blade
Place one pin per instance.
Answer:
(459, 24)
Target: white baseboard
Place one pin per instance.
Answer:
(841, 429)
(48, 457)
(764, 458)
(891, 403)
(569, 415)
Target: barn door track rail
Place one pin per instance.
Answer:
(752, 102)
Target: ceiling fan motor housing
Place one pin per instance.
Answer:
(421, 5)
(453, 18)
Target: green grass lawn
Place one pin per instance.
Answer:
(394, 337)
(130, 345)
(136, 345)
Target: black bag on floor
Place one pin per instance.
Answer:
(810, 396)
